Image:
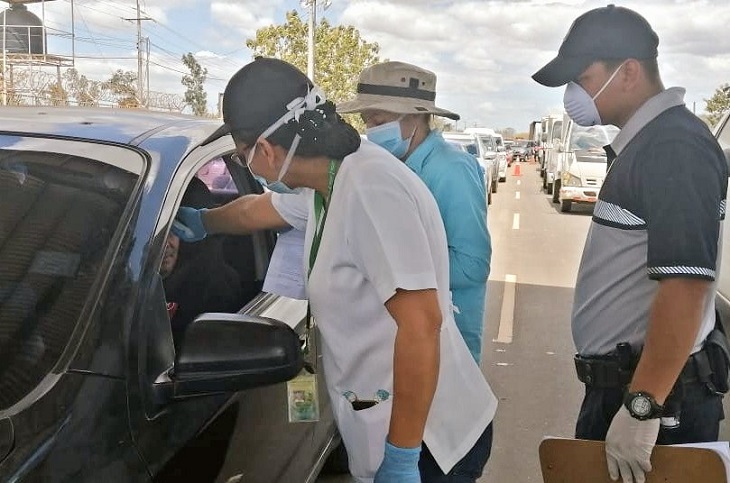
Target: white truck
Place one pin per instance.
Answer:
(581, 164)
(552, 132)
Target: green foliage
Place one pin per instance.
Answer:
(84, 91)
(123, 87)
(340, 54)
(718, 104)
(195, 95)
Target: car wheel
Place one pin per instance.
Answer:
(502, 179)
(548, 187)
(556, 191)
(566, 205)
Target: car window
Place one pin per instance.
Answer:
(215, 175)
(58, 214)
(220, 273)
(592, 138)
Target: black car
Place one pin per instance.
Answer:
(92, 387)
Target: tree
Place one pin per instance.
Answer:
(122, 88)
(84, 91)
(195, 95)
(718, 104)
(340, 54)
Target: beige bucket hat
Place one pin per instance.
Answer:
(396, 87)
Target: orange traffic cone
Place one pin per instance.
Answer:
(517, 170)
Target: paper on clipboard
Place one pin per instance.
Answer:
(285, 275)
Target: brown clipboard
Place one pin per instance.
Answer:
(580, 461)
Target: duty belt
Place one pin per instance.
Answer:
(615, 370)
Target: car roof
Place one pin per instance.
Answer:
(125, 126)
(458, 135)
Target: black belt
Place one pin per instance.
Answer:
(608, 372)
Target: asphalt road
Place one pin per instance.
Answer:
(528, 348)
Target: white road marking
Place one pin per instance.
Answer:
(507, 317)
(519, 182)
(516, 221)
(517, 195)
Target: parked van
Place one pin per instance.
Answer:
(582, 164)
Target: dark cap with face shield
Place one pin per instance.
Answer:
(258, 94)
(606, 33)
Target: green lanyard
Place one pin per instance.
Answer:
(320, 217)
(320, 213)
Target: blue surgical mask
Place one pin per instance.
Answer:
(390, 137)
(277, 186)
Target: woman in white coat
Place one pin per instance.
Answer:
(409, 400)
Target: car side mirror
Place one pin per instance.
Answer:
(229, 353)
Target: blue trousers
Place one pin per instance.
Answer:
(467, 470)
(699, 419)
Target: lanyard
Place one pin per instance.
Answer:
(320, 217)
(320, 213)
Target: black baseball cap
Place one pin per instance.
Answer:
(257, 95)
(606, 33)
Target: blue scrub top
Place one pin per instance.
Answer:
(457, 183)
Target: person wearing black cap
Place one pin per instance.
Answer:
(408, 398)
(643, 316)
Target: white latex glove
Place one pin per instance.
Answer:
(629, 444)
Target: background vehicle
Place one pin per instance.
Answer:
(519, 150)
(495, 145)
(488, 149)
(722, 301)
(552, 134)
(471, 144)
(91, 386)
(582, 162)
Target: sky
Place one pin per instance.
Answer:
(482, 51)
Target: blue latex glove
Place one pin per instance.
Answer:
(188, 224)
(400, 465)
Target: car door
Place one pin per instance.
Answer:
(244, 436)
(64, 207)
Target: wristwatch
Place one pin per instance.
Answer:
(642, 405)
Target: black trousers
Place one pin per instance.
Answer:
(699, 419)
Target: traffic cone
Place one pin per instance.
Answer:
(517, 170)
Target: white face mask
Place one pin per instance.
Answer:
(580, 106)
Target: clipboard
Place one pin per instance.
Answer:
(580, 461)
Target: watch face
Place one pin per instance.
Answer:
(641, 406)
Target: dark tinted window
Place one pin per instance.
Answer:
(57, 217)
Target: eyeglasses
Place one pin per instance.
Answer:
(236, 158)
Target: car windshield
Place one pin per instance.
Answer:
(58, 214)
(464, 145)
(591, 139)
(487, 143)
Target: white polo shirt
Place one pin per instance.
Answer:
(384, 232)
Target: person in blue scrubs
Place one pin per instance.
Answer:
(396, 102)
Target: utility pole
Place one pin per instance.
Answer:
(140, 53)
(312, 6)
